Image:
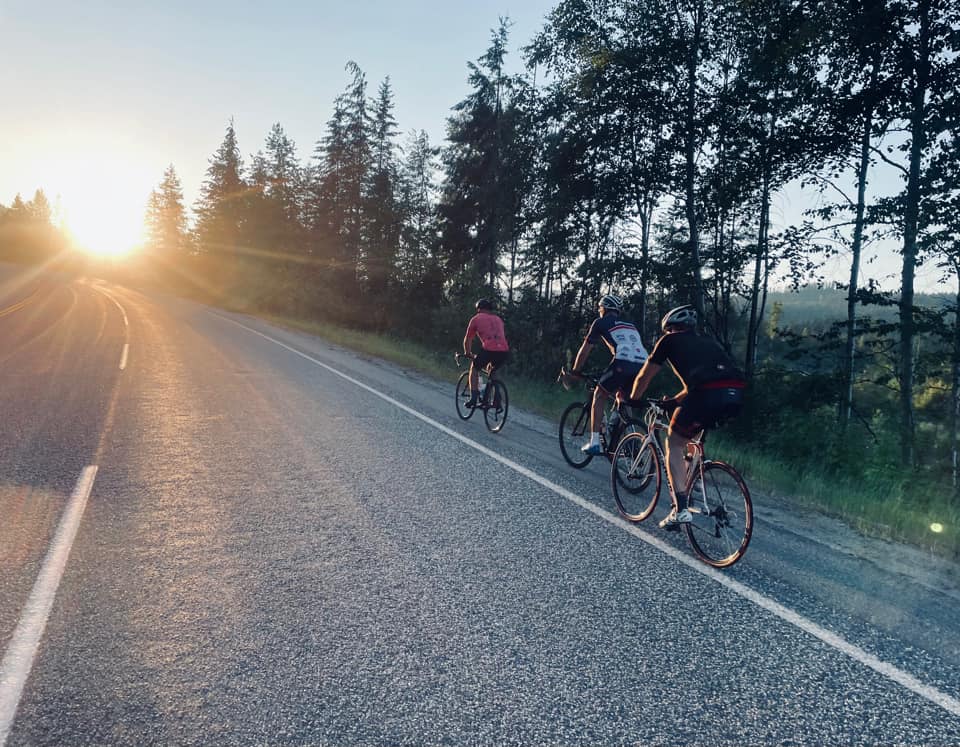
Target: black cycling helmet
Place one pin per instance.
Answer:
(611, 301)
(684, 315)
(484, 303)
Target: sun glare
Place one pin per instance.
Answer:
(100, 198)
(108, 228)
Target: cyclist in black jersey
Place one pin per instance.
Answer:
(712, 391)
(623, 340)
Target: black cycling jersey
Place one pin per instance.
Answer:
(621, 337)
(697, 360)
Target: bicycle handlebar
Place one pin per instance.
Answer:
(458, 356)
(589, 378)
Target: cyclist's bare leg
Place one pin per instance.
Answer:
(596, 412)
(676, 465)
(474, 381)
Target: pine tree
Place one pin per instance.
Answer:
(166, 218)
(417, 207)
(39, 209)
(381, 212)
(474, 199)
(220, 208)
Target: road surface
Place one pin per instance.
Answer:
(215, 531)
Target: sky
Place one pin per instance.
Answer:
(100, 97)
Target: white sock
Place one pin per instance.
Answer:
(595, 439)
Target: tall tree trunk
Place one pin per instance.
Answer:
(645, 210)
(955, 398)
(753, 327)
(690, 148)
(911, 220)
(855, 250)
(513, 271)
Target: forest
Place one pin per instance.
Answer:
(641, 149)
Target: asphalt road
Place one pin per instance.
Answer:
(285, 543)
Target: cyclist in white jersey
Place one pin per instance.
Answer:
(629, 355)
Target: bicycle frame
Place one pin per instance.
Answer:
(484, 374)
(655, 419)
(613, 405)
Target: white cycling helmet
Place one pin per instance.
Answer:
(611, 301)
(685, 315)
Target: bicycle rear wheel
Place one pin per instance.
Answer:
(635, 477)
(722, 516)
(463, 395)
(574, 427)
(496, 404)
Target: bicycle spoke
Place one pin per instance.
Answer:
(496, 406)
(722, 516)
(574, 424)
(463, 395)
(635, 477)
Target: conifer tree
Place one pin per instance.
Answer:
(382, 219)
(219, 208)
(474, 199)
(166, 218)
(417, 207)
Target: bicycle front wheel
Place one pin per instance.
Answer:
(496, 404)
(722, 516)
(574, 427)
(463, 396)
(635, 477)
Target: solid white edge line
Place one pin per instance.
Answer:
(126, 325)
(947, 702)
(123, 312)
(18, 659)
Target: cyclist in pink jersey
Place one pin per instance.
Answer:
(489, 328)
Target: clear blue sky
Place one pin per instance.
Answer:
(101, 96)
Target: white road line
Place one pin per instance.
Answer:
(126, 330)
(18, 659)
(126, 322)
(947, 702)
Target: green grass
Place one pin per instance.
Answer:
(914, 514)
(877, 508)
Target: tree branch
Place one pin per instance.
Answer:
(884, 157)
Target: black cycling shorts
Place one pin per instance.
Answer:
(705, 408)
(495, 357)
(619, 375)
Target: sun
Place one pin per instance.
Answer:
(103, 228)
(100, 196)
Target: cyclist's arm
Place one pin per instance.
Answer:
(640, 384)
(582, 354)
(468, 336)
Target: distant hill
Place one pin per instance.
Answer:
(815, 306)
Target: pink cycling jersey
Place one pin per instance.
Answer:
(489, 328)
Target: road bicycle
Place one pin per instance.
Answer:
(494, 400)
(719, 500)
(575, 424)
